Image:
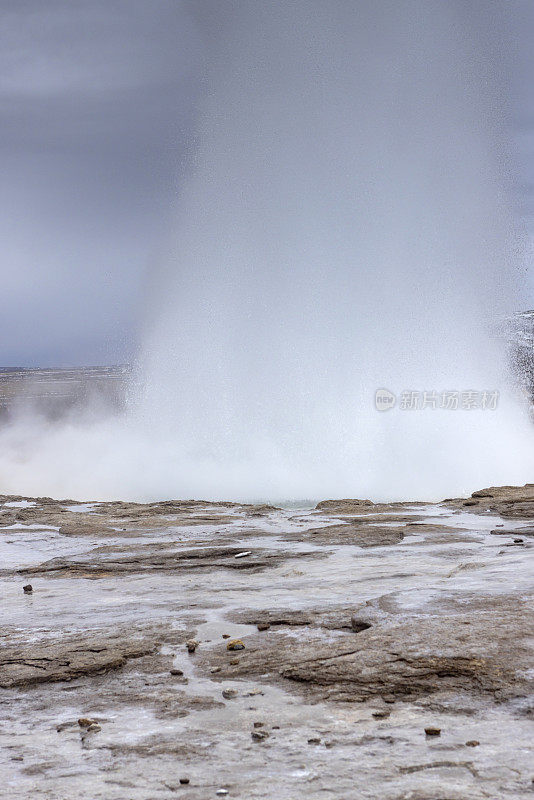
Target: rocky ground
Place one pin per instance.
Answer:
(199, 650)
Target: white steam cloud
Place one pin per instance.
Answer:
(344, 228)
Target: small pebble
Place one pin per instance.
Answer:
(381, 714)
(214, 670)
(191, 645)
(259, 724)
(85, 722)
(226, 636)
(433, 731)
(228, 694)
(176, 671)
(28, 589)
(17, 758)
(235, 644)
(243, 554)
(184, 781)
(314, 740)
(263, 626)
(234, 662)
(221, 792)
(472, 743)
(518, 541)
(259, 736)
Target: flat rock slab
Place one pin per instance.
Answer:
(355, 506)
(103, 519)
(350, 534)
(415, 657)
(507, 501)
(163, 558)
(46, 661)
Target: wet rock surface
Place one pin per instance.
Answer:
(507, 501)
(53, 660)
(220, 648)
(160, 558)
(414, 658)
(352, 533)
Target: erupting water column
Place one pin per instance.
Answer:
(343, 228)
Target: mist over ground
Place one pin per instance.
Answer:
(346, 221)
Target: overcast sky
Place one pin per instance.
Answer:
(97, 101)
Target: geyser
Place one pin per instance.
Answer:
(343, 228)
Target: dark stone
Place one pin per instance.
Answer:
(85, 722)
(359, 625)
